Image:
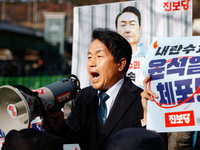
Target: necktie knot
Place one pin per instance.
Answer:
(103, 96)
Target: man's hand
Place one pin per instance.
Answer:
(56, 119)
(146, 94)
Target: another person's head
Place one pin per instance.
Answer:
(135, 139)
(128, 24)
(31, 139)
(109, 57)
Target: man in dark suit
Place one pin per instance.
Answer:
(109, 57)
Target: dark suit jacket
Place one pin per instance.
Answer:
(126, 112)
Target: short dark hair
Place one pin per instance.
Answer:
(116, 44)
(136, 139)
(129, 9)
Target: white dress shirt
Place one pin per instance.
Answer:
(112, 92)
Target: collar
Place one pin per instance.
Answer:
(113, 91)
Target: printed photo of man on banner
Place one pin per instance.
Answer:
(137, 21)
(128, 25)
(174, 66)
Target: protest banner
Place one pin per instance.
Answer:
(174, 66)
(159, 18)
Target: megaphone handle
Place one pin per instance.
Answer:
(44, 115)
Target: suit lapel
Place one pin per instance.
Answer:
(122, 103)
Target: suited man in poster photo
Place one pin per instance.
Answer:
(128, 24)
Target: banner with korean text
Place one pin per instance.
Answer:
(159, 18)
(174, 66)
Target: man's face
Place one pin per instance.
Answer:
(128, 27)
(102, 69)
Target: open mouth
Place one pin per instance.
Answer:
(94, 76)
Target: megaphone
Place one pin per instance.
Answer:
(17, 106)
